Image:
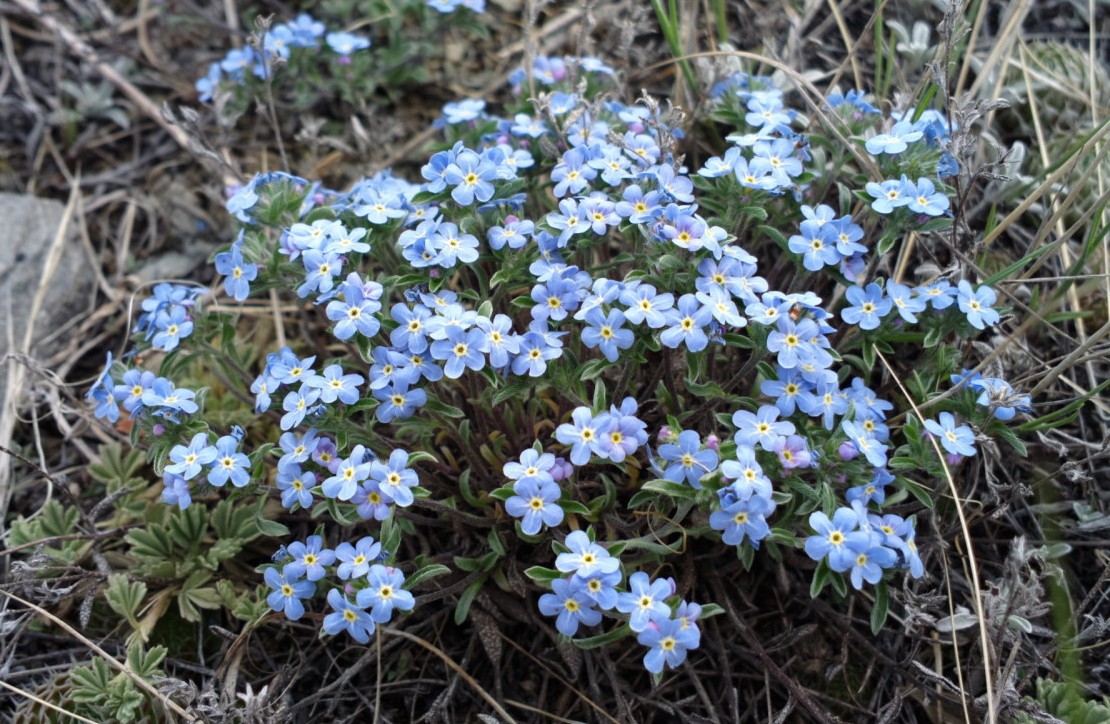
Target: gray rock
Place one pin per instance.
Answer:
(29, 225)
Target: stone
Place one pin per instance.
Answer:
(29, 227)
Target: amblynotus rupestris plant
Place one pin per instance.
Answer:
(564, 335)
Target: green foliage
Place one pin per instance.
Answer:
(104, 694)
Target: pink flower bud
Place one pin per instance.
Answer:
(158, 430)
(953, 459)
(847, 450)
(713, 442)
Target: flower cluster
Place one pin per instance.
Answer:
(591, 587)
(377, 590)
(563, 246)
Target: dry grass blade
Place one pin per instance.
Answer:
(111, 660)
(454, 667)
(973, 564)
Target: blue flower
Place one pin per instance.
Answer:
(645, 305)
(638, 207)
(785, 389)
(461, 350)
(172, 326)
(296, 405)
(743, 517)
(189, 459)
(229, 464)
(585, 558)
(869, 564)
(534, 467)
(297, 449)
(582, 434)
(309, 558)
(346, 43)
(288, 592)
(348, 617)
(398, 401)
(175, 491)
(535, 351)
(689, 461)
(761, 428)
(894, 141)
(873, 450)
(927, 200)
(621, 434)
(355, 312)
(295, 486)
(571, 603)
(350, 472)
(384, 593)
(755, 174)
(500, 340)
(892, 194)
(977, 305)
(568, 221)
(287, 369)
(207, 85)
(674, 187)
(355, 560)
(600, 213)
(334, 385)
(463, 111)
(537, 505)
(867, 306)
(873, 491)
(472, 178)
(163, 394)
(645, 602)
(908, 304)
(717, 166)
(129, 392)
(321, 269)
(514, 234)
(395, 479)
(688, 322)
(790, 342)
(837, 539)
(613, 165)
(606, 332)
(411, 328)
(572, 174)
(817, 245)
(958, 440)
(940, 294)
(238, 273)
(667, 640)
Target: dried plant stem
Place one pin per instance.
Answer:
(973, 564)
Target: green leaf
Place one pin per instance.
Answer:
(573, 506)
(540, 574)
(427, 573)
(596, 642)
(145, 663)
(820, 578)
(268, 527)
(125, 597)
(462, 610)
(675, 490)
(420, 456)
(434, 405)
(923, 496)
(881, 608)
(709, 610)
